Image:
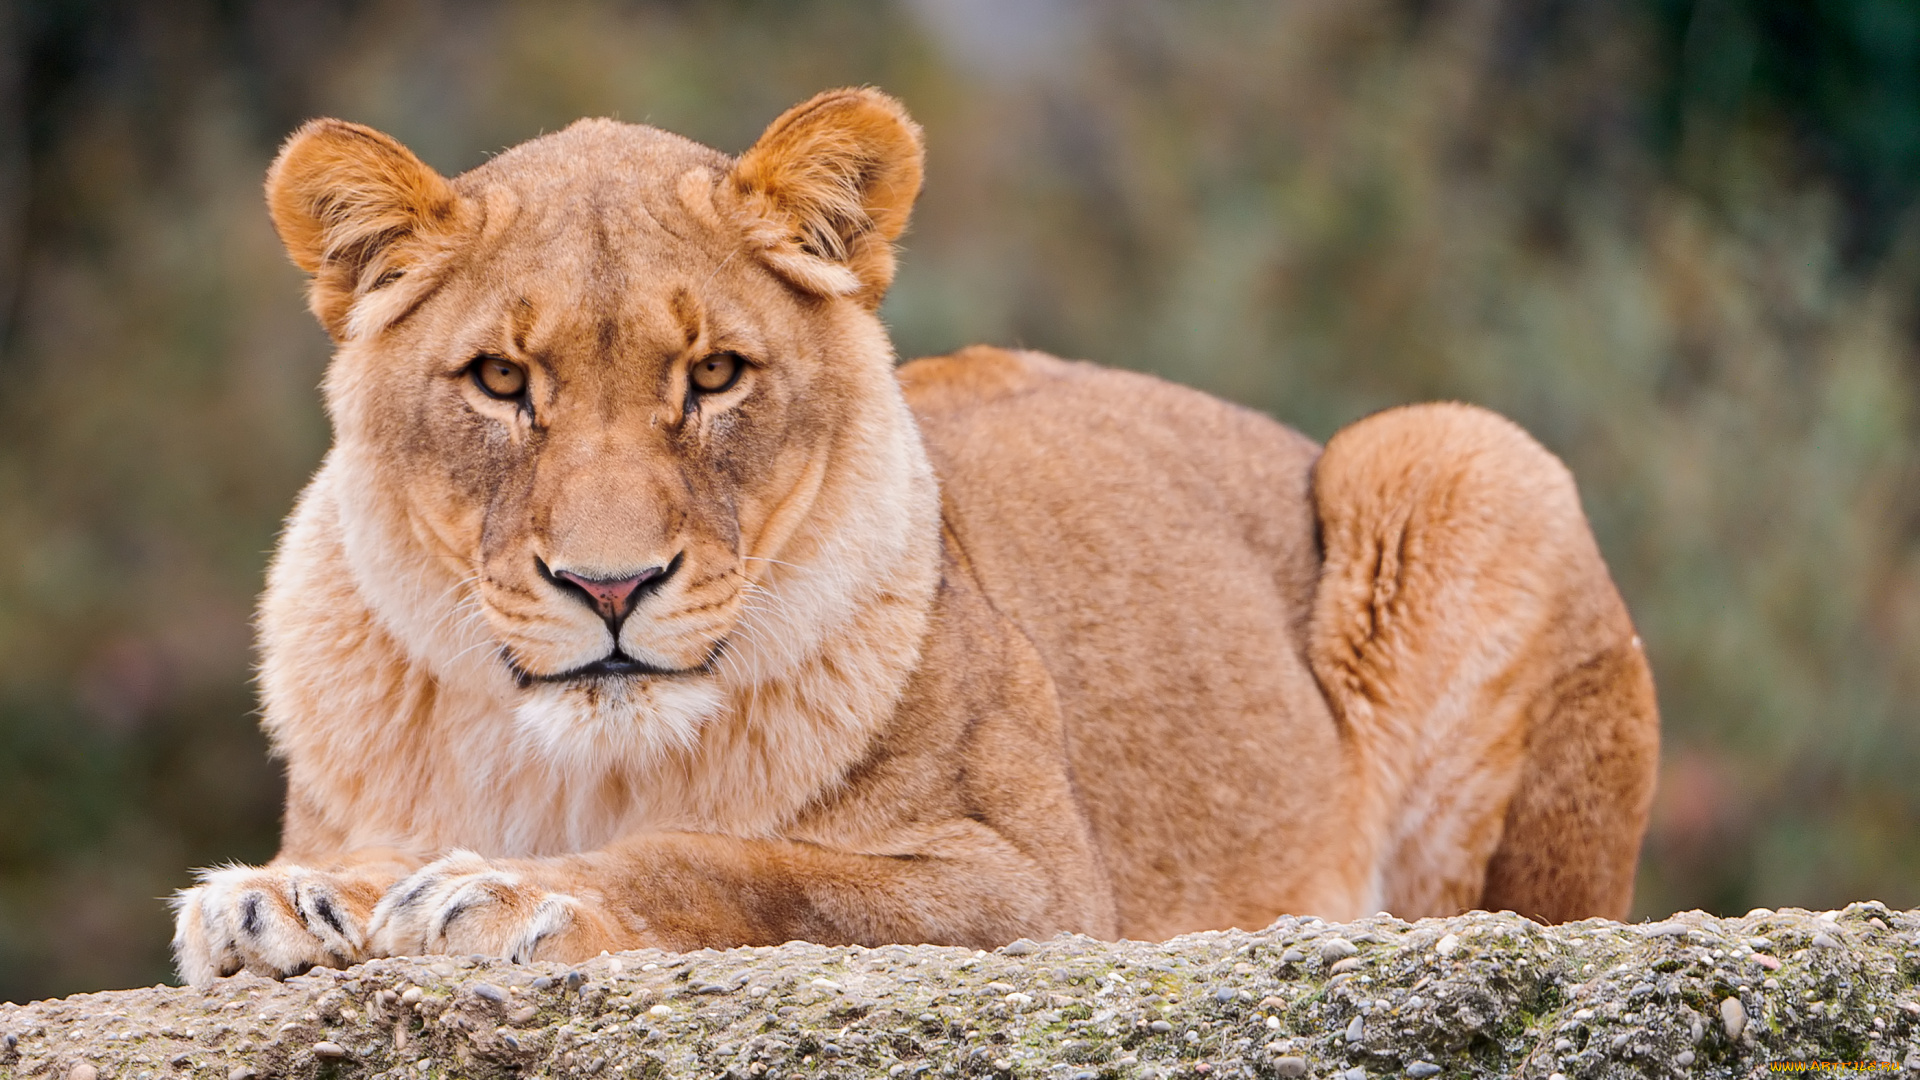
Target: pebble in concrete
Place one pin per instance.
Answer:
(1733, 1016)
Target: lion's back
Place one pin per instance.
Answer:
(1157, 545)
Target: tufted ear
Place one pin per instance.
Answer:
(827, 190)
(358, 212)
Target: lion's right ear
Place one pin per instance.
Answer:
(359, 212)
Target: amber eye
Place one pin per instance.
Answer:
(499, 378)
(717, 372)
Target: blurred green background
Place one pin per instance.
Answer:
(1674, 238)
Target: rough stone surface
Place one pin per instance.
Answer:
(1510, 998)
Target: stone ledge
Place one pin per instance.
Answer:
(1476, 995)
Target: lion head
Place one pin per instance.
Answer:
(617, 438)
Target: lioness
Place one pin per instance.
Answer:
(642, 601)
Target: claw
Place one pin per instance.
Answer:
(462, 903)
(275, 921)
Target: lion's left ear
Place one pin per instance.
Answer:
(827, 190)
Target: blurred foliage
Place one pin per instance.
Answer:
(1675, 239)
(1839, 78)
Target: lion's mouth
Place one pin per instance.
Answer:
(614, 665)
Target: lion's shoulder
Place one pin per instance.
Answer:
(986, 407)
(1084, 496)
(978, 373)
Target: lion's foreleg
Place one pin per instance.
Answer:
(280, 919)
(962, 884)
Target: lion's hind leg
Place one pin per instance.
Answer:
(1482, 667)
(1572, 832)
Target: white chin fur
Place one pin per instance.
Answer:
(591, 724)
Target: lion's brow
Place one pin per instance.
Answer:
(522, 317)
(689, 313)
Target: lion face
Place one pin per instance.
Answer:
(599, 404)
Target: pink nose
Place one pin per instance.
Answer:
(611, 597)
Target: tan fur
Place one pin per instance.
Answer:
(996, 646)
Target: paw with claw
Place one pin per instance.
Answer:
(465, 904)
(275, 921)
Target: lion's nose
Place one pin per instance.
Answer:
(613, 597)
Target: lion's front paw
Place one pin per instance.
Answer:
(465, 904)
(274, 921)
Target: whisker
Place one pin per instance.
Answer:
(776, 562)
(723, 265)
(456, 609)
(462, 654)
